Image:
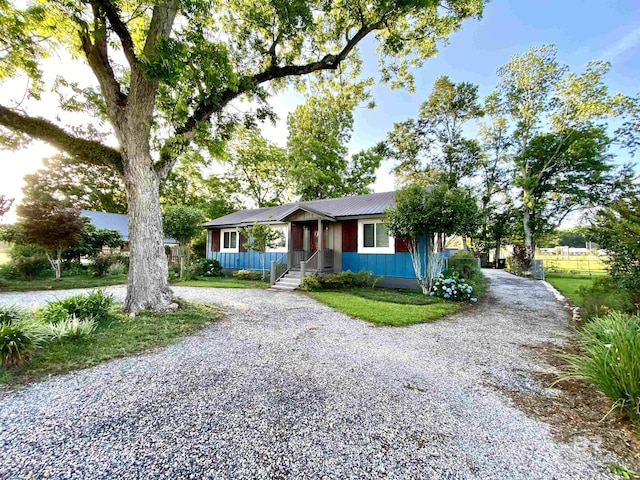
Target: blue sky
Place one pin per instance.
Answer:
(583, 30)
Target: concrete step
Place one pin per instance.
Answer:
(286, 281)
(279, 286)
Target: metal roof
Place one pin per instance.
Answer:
(113, 221)
(354, 206)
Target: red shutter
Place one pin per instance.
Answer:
(215, 240)
(401, 246)
(350, 236)
(241, 241)
(297, 237)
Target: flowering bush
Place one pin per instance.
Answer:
(453, 288)
(206, 267)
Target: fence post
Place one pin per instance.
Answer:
(273, 272)
(303, 268)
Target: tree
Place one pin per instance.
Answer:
(168, 70)
(260, 237)
(433, 149)
(576, 237)
(555, 113)
(77, 185)
(424, 217)
(5, 204)
(617, 229)
(260, 168)
(184, 224)
(560, 173)
(92, 240)
(52, 226)
(319, 131)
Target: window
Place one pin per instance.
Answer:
(281, 243)
(229, 241)
(373, 237)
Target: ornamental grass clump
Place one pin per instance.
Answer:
(71, 328)
(19, 335)
(453, 288)
(611, 360)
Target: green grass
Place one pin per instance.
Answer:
(124, 336)
(386, 307)
(569, 285)
(223, 282)
(75, 281)
(579, 264)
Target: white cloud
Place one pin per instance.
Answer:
(629, 41)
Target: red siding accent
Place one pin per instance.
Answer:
(350, 236)
(401, 246)
(215, 240)
(241, 241)
(296, 237)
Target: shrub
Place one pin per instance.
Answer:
(92, 306)
(30, 268)
(74, 267)
(117, 268)
(463, 263)
(611, 360)
(71, 328)
(603, 297)
(248, 274)
(101, 264)
(453, 287)
(336, 281)
(206, 268)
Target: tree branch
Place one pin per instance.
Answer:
(120, 28)
(88, 151)
(164, 14)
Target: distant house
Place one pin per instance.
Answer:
(118, 222)
(331, 235)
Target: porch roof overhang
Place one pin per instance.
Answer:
(317, 215)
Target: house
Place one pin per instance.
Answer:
(331, 235)
(118, 222)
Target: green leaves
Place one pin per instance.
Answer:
(182, 223)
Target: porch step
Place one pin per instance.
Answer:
(290, 281)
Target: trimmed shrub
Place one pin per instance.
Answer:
(453, 287)
(337, 281)
(248, 274)
(101, 264)
(71, 328)
(92, 306)
(463, 263)
(205, 267)
(611, 360)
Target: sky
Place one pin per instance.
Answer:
(583, 30)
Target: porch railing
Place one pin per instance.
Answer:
(297, 256)
(279, 269)
(312, 262)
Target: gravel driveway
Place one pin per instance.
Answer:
(285, 387)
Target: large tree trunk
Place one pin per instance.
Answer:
(148, 286)
(528, 235)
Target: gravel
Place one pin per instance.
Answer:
(285, 387)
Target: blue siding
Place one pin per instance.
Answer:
(386, 265)
(246, 260)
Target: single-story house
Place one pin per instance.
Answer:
(118, 222)
(331, 235)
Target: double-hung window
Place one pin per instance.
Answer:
(373, 237)
(229, 240)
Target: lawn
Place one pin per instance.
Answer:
(385, 306)
(222, 282)
(579, 264)
(123, 336)
(50, 283)
(569, 285)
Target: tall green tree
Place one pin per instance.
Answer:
(423, 218)
(260, 168)
(319, 131)
(433, 148)
(167, 72)
(556, 115)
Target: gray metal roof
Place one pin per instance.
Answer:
(354, 206)
(113, 221)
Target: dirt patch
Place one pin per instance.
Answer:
(580, 410)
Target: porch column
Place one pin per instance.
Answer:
(320, 246)
(289, 246)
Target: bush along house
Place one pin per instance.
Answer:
(319, 236)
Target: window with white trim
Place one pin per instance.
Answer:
(229, 240)
(281, 243)
(373, 237)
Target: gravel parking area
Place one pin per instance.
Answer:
(284, 387)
